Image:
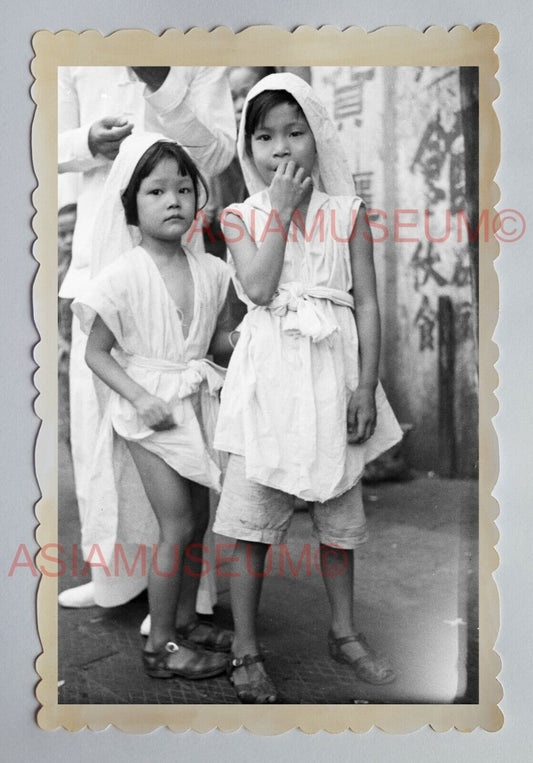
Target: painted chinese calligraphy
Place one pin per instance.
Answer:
(425, 319)
(348, 98)
(423, 263)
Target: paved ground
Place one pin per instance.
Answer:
(416, 600)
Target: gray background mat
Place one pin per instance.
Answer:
(21, 738)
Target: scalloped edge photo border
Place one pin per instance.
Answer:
(261, 45)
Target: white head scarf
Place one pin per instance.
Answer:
(112, 235)
(331, 173)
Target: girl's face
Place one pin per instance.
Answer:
(284, 135)
(166, 203)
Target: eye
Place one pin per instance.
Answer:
(261, 136)
(186, 189)
(155, 191)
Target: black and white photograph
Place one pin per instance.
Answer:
(269, 278)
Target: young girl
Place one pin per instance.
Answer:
(302, 410)
(151, 316)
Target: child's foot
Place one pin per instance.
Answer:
(356, 652)
(250, 680)
(207, 635)
(175, 659)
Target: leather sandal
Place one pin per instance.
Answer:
(369, 667)
(260, 691)
(195, 663)
(207, 635)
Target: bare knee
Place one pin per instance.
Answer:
(181, 532)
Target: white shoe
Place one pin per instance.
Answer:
(145, 626)
(79, 597)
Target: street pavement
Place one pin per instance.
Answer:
(415, 600)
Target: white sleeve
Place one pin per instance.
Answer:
(194, 107)
(105, 295)
(73, 153)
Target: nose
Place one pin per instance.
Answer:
(173, 199)
(280, 146)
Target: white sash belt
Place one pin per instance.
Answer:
(302, 315)
(193, 372)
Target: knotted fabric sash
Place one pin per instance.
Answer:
(192, 373)
(294, 302)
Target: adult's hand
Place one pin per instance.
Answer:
(106, 135)
(152, 76)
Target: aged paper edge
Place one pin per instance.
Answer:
(387, 46)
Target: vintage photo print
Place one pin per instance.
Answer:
(265, 299)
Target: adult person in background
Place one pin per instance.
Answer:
(98, 108)
(66, 220)
(228, 187)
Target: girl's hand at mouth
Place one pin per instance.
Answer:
(288, 188)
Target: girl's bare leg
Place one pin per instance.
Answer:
(170, 497)
(337, 567)
(193, 567)
(339, 588)
(245, 591)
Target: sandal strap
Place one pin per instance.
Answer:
(158, 659)
(348, 640)
(248, 659)
(169, 648)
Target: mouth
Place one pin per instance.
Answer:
(174, 218)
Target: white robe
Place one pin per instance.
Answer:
(131, 298)
(193, 107)
(284, 402)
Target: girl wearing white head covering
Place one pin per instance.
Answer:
(152, 311)
(302, 410)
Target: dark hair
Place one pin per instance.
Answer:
(259, 107)
(148, 161)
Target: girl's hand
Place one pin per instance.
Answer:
(154, 412)
(361, 417)
(287, 189)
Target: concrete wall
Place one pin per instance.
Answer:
(402, 129)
